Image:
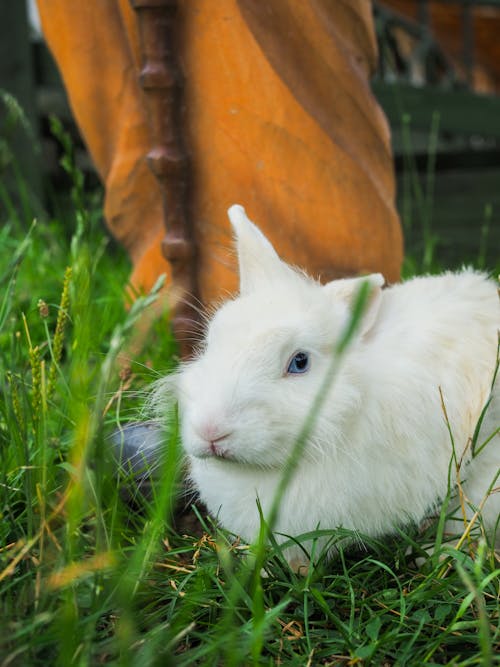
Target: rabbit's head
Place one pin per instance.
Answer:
(246, 396)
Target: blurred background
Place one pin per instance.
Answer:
(438, 81)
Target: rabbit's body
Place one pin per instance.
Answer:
(379, 453)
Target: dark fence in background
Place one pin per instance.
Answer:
(446, 137)
(31, 91)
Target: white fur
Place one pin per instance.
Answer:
(380, 451)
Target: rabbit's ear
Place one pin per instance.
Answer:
(259, 264)
(346, 290)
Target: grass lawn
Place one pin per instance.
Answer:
(93, 574)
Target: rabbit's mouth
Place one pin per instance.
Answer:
(219, 452)
(214, 451)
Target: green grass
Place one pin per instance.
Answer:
(88, 577)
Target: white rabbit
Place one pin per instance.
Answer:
(379, 453)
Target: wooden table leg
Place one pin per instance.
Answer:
(161, 81)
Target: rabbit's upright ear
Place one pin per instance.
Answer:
(259, 264)
(346, 290)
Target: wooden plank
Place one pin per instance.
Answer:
(460, 112)
(462, 202)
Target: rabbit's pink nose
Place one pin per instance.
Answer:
(214, 436)
(212, 433)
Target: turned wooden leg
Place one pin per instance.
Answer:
(161, 81)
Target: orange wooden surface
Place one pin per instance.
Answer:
(280, 118)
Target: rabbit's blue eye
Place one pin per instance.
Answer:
(299, 363)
